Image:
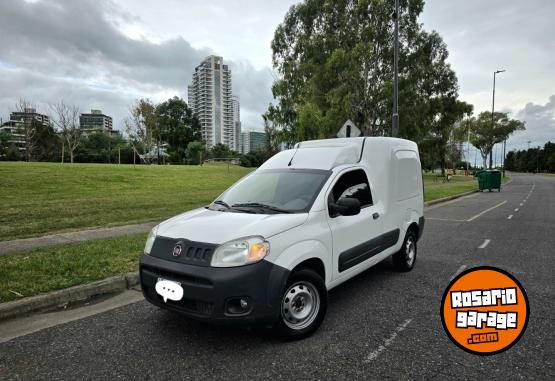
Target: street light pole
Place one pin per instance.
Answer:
(504, 148)
(492, 114)
(395, 121)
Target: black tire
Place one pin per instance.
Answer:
(405, 259)
(308, 285)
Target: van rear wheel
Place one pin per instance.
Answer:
(303, 305)
(405, 259)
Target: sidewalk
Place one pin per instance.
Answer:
(71, 237)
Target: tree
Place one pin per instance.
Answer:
(483, 136)
(28, 127)
(221, 151)
(101, 147)
(66, 119)
(194, 152)
(48, 144)
(447, 112)
(141, 128)
(177, 126)
(334, 58)
(4, 144)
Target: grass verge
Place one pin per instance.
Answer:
(44, 198)
(57, 267)
(435, 188)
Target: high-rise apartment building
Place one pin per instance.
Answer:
(95, 121)
(210, 98)
(19, 120)
(29, 114)
(237, 122)
(252, 141)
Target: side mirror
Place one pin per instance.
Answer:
(345, 207)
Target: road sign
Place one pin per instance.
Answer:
(349, 130)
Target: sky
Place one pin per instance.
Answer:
(104, 54)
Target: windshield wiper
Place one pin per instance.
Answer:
(222, 203)
(261, 206)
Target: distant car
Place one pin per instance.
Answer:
(272, 245)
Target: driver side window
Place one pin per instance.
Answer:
(353, 184)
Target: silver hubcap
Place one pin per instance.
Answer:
(410, 251)
(300, 305)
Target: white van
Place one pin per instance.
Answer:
(272, 245)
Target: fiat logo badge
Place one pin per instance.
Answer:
(177, 250)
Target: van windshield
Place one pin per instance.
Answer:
(273, 191)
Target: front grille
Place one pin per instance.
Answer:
(176, 277)
(192, 253)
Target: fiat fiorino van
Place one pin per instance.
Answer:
(271, 246)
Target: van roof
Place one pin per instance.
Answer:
(330, 153)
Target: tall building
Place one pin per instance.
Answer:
(96, 121)
(210, 98)
(237, 122)
(252, 140)
(15, 127)
(28, 114)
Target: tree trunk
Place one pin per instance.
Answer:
(71, 156)
(491, 158)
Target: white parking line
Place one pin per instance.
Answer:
(483, 246)
(485, 211)
(521, 203)
(516, 209)
(511, 216)
(459, 270)
(387, 342)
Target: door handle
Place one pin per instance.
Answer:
(376, 216)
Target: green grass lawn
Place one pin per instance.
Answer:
(434, 189)
(42, 198)
(45, 198)
(57, 267)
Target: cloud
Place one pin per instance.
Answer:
(483, 36)
(540, 124)
(76, 50)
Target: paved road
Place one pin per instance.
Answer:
(381, 324)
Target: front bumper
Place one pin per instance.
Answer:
(208, 291)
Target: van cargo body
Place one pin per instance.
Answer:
(270, 247)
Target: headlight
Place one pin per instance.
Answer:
(240, 252)
(150, 239)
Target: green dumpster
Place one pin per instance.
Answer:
(481, 176)
(490, 179)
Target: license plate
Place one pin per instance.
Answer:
(168, 289)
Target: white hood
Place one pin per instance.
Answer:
(210, 226)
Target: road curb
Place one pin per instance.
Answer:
(61, 298)
(449, 198)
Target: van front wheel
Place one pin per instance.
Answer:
(303, 305)
(406, 257)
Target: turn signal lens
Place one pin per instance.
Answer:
(257, 251)
(240, 252)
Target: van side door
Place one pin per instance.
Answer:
(356, 239)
